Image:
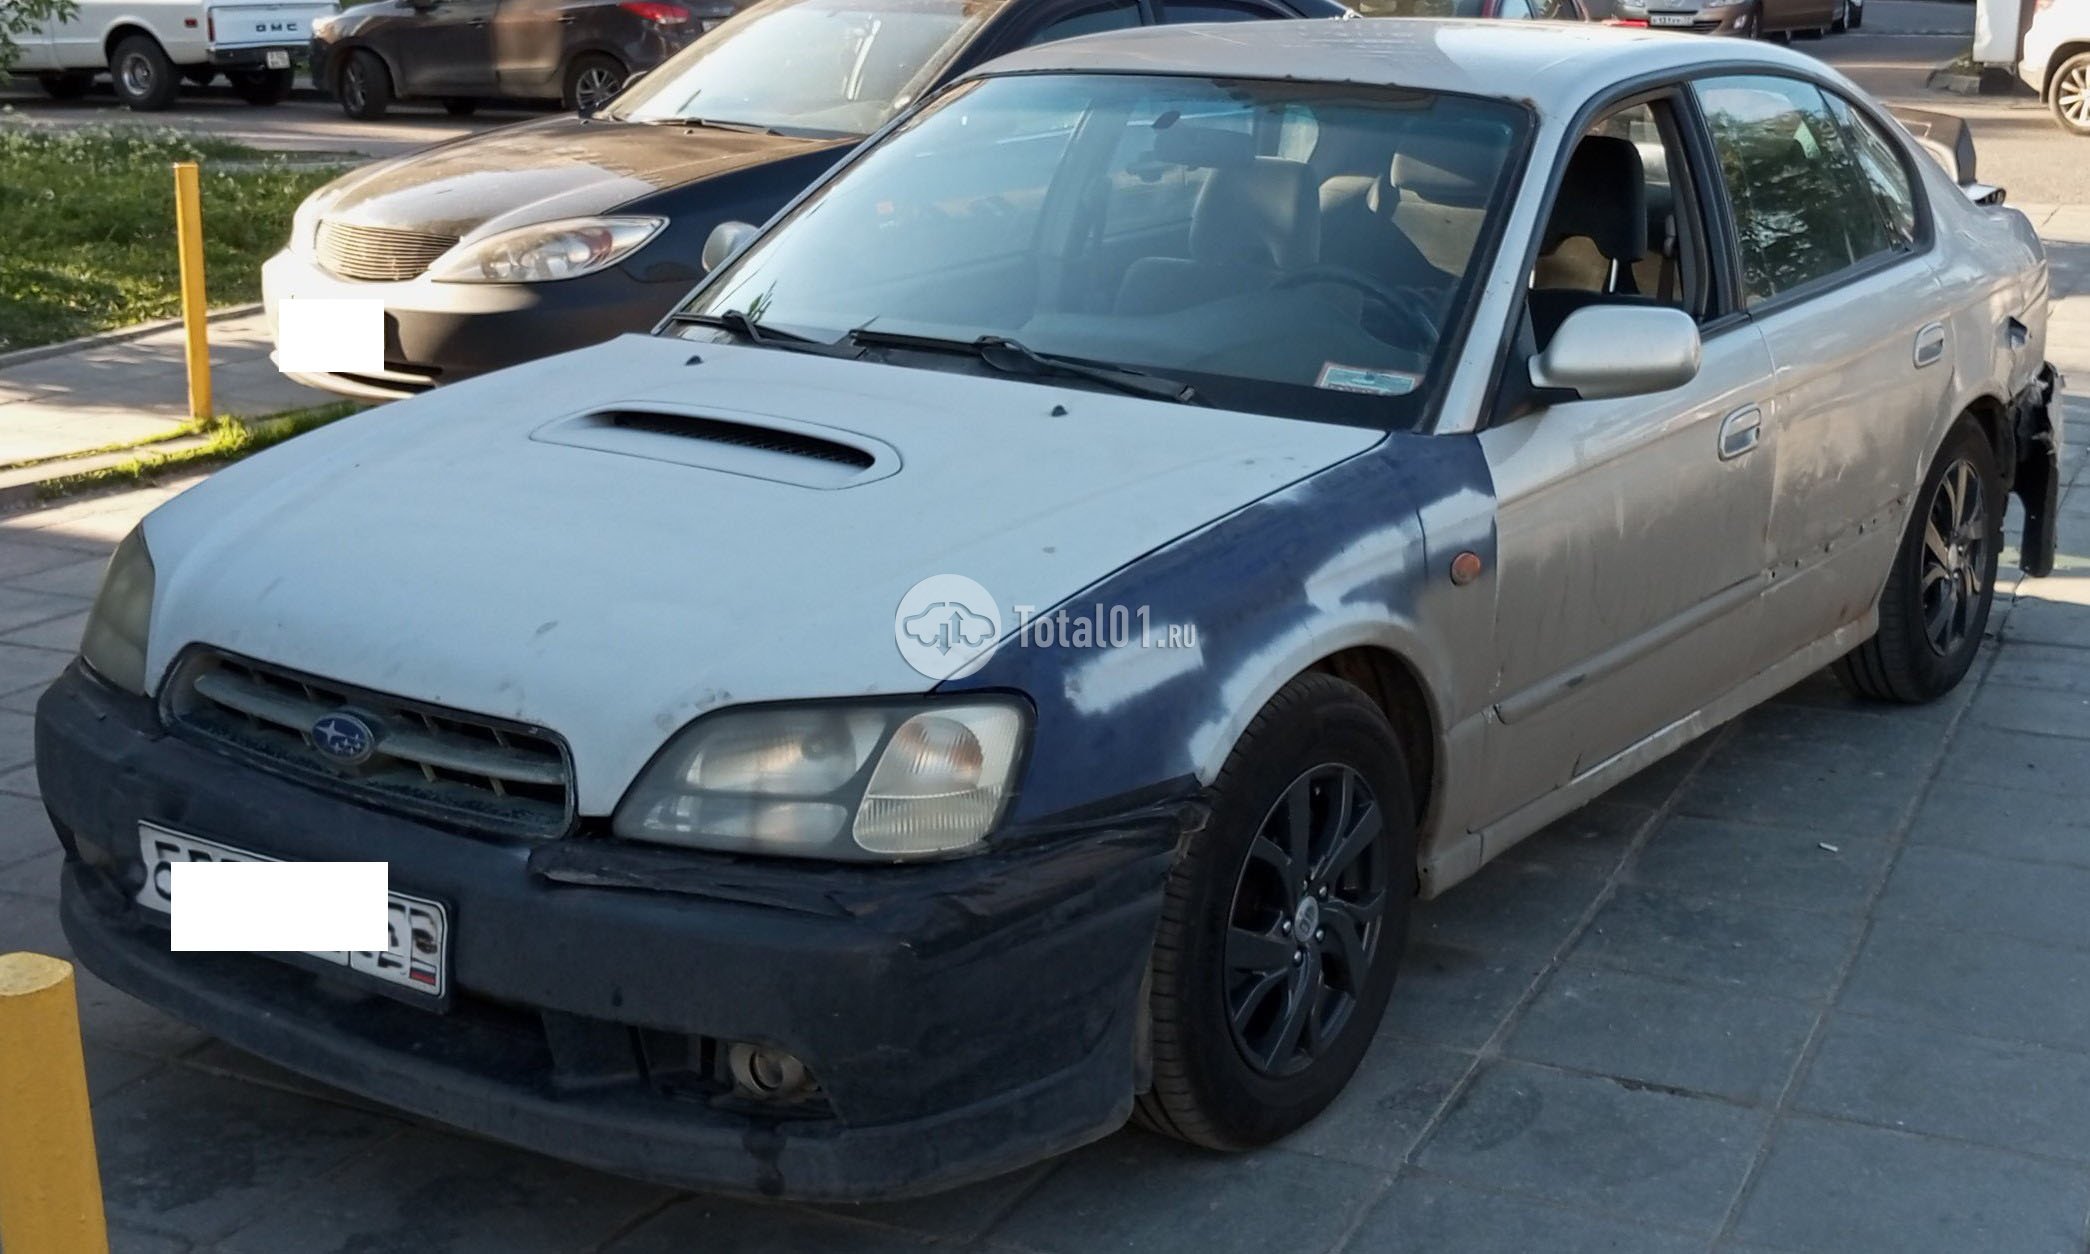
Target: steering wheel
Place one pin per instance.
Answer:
(1409, 304)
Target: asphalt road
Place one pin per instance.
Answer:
(1903, 40)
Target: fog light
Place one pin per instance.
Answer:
(767, 1075)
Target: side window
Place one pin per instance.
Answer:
(1885, 168)
(1802, 206)
(1215, 11)
(1624, 227)
(1515, 10)
(1085, 22)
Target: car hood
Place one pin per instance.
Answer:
(497, 548)
(553, 168)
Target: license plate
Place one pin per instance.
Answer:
(330, 335)
(1671, 19)
(278, 59)
(417, 958)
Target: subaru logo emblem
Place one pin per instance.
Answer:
(344, 737)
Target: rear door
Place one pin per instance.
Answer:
(1833, 271)
(446, 50)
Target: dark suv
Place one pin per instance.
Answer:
(460, 52)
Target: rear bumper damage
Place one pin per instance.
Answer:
(2032, 463)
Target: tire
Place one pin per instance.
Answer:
(1229, 899)
(460, 106)
(1842, 21)
(591, 79)
(65, 84)
(263, 87)
(364, 86)
(2068, 94)
(145, 79)
(1855, 18)
(1931, 613)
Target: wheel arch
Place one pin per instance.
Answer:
(339, 56)
(121, 29)
(1397, 688)
(2061, 56)
(591, 49)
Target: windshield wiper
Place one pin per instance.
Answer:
(757, 333)
(1012, 357)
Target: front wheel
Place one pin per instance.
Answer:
(2069, 97)
(1937, 598)
(263, 87)
(1283, 923)
(365, 86)
(144, 77)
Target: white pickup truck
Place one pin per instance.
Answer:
(149, 47)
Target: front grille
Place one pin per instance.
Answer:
(499, 777)
(378, 254)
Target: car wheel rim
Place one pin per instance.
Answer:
(595, 87)
(1304, 926)
(2074, 96)
(137, 75)
(1955, 558)
(352, 87)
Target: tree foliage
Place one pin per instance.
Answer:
(20, 19)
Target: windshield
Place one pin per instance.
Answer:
(820, 66)
(1287, 248)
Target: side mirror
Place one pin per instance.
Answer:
(724, 243)
(1602, 352)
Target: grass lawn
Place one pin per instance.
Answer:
(87, 226)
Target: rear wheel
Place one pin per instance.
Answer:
(592, 80)
(263, 87)
(365, 86)
(145, 79)
(2069, 96)
(1842, 21)
(1937, 598)
(1283, 923)
(65, 84)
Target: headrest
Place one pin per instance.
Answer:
(1266, 212)
(1448, 166)
(1603, 196)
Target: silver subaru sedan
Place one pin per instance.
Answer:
(1006, 655)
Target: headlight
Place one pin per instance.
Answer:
(113, 645)
(859, 782)
(547, 251)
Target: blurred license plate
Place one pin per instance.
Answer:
(330, 335)
(278, 60)
(1671, 19)
(417, 958)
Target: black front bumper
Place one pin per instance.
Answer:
(962, 1018)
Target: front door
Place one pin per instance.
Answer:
(1631, 532)
(447, 49)
(1831, 272)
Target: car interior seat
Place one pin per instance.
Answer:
(1444, 178)
(1358, 232)
(1596, 236)
(1253, 220)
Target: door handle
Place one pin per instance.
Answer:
(1930, 345)
(1740, 431)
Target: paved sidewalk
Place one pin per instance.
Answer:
(1819, 983)
(138, 389)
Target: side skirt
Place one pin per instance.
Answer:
(1463, 857)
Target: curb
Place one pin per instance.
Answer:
(23, 356)
(23, 489)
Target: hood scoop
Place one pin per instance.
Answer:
(759, 446)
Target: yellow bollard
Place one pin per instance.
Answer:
(188, 226)
(50, 1188)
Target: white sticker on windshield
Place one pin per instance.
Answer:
(1342, 378)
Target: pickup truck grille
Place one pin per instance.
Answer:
(498, 777)
(378, 254)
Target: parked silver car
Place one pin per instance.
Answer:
(1010, 650)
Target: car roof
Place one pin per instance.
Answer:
(1553, 65)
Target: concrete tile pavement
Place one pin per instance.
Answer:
(137, 389)
(1816, 984)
